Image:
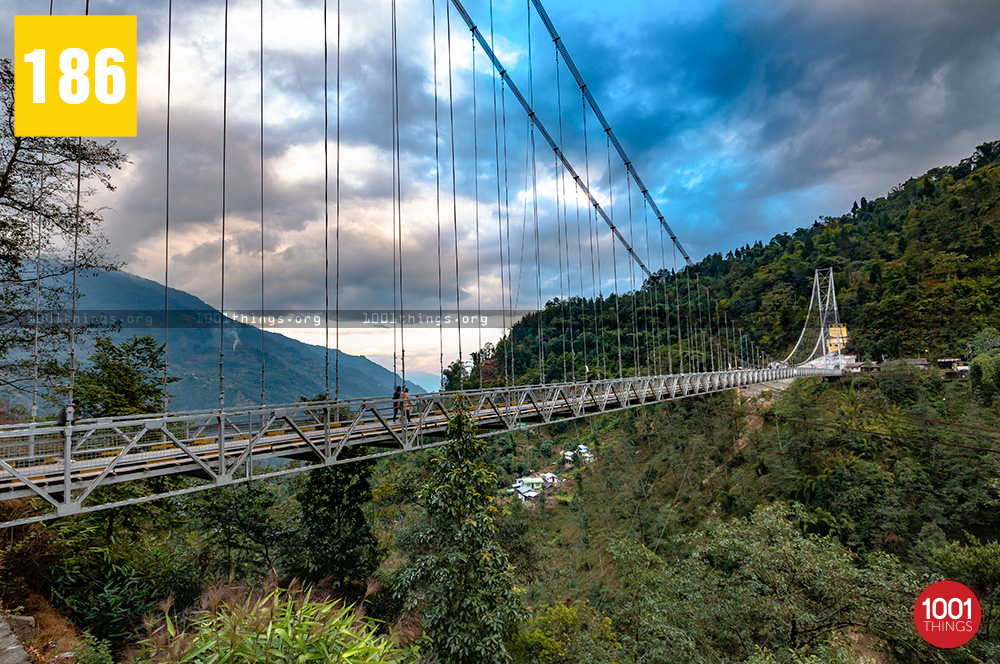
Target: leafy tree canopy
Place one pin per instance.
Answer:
(42, 220)
(759, 582)
(458, 576)
(124, 378)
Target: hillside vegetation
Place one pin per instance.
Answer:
(917, 273)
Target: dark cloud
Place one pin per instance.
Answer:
(783, 99)
(744, 119)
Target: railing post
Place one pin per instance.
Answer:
(222, 443)
(326, 432)
(67, 455)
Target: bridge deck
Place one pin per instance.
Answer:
(64, 465)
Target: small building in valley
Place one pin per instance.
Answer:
(527, 495)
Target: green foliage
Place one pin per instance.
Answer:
(106, 585)
(454, 376)
(25, 555)
(837, 654)
(561, 634)
(39, 204)
(978, 566)
(94, 651)
(281, 626)
(670, 470)
(702, 566)
(123, 379)
(916, 271)
(517, 534)
(985, 341)
(758, 582)
(984, 369)
(250, 527)
(337, 540)
(458, 576)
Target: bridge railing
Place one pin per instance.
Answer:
(65, 465)
(24, 445)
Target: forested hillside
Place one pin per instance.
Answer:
(917, 272)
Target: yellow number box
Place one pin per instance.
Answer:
(75, 76)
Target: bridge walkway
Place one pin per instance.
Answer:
(64, 466)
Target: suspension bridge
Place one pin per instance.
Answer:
(65, 468)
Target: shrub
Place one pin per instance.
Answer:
(282, 626)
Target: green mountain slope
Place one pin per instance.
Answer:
(292, 368)
(916, 271)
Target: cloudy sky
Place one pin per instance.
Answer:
(745, 118)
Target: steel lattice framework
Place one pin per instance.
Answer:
(65, 466)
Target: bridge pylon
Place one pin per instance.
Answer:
(831, 335)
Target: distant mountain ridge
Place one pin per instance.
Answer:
(293, 369)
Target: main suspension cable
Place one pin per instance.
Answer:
(536, 122)
(589, 98)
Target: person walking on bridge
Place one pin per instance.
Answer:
(64, 413)
(396, 402)
(407, 405)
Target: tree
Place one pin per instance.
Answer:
(123, 379)
(979, 566)
(106, 584)
(458, 576)
(759, 582)
(567, 634)
(454, 376)
(984, 368)
(41, 216)
(985, 154)
(808, 247)
(249, 526)
(338, 541)
(484, 365)
(989, 239)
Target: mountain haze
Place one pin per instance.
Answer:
(292, 368)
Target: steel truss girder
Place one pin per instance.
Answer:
(218, 447)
